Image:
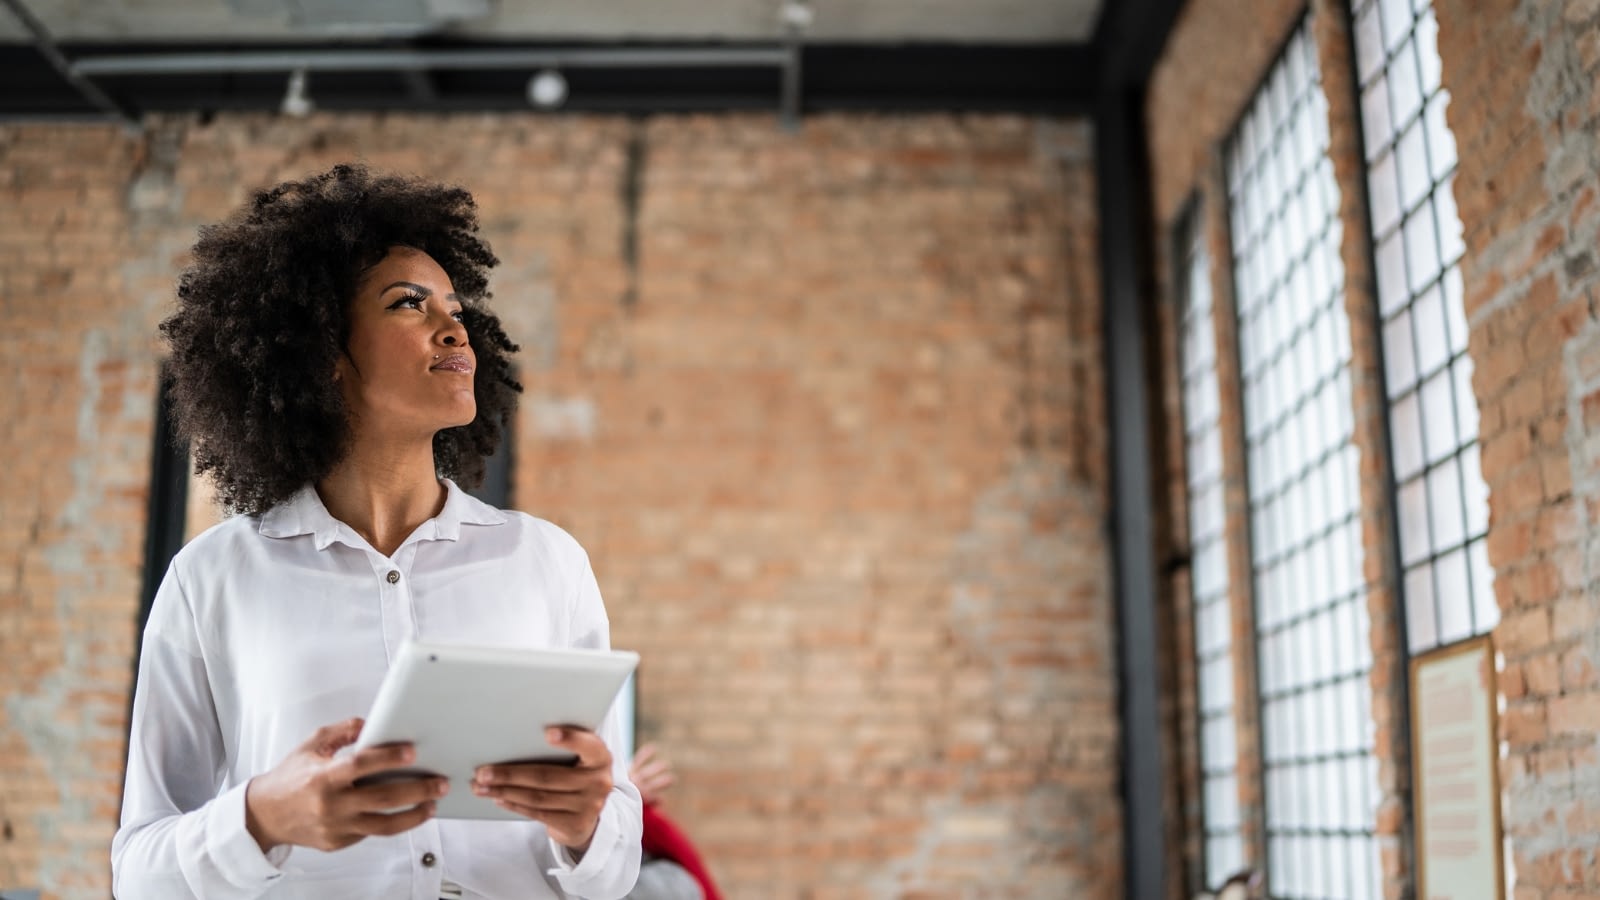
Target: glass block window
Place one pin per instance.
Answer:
(1224, 846)
(1442, 503)
(1313, 656)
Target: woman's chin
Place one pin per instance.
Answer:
(458, 418)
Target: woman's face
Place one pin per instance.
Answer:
(407, 367)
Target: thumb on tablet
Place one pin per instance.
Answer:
(591, 750)
(330, 738)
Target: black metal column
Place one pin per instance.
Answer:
(1124, 259)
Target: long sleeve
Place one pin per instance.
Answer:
(180, 838)
(610, 868)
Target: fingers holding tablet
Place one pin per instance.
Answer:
(566, 798)
(311, 798)
(393, 797)
(367, 762)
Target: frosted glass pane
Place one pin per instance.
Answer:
(1451, 242)
(1413, 509)
(1376, 122)
(1384, 192)
(1422, 249)
(1399, 358)
(1441, 142)
(1453, 596)
(1405, 432)
(1438, 417)
(1391, 262)
(1412, 157)
(1427, 323)
(1427, 49)
(1476, 499)
(1422, 626)
(1396, 18)
(1369, 43)
(1405, 90)
(1486, 609)
(1444, 506)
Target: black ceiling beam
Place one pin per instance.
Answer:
(1130, 38)
(47, 50)
(1048, 78)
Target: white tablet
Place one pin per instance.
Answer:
(464, 707)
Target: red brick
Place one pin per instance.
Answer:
(1575, 714)
(1543, 674)
(1577, 669)
(1524, 723)
(1573, 617)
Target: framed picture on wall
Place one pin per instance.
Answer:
(1456, 784)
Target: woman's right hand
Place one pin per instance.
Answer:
(310, 799)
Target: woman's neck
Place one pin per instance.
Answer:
(384, 491)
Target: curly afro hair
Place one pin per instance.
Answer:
(262, 320)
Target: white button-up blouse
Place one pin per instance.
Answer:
(267, 628)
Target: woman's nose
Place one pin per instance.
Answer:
(455, 333)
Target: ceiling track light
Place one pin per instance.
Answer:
(547, 89)
(798, 15)
(296, 101)
(546, 62)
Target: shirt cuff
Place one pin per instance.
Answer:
(606, 839)
(237, 856)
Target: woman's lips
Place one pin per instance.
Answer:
(455, 362)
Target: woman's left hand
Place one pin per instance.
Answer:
(567, 799)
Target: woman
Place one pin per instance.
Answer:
(334, 367)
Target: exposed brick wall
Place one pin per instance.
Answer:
(1522, 79)
(827, 408)
(837, 473)
(81, 307)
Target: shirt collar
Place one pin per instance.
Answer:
(303, 513)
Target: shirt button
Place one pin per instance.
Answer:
(428, 859)
(394, 576)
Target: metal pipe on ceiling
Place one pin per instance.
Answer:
(402, 60)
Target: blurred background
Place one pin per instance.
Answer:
(1030, 442)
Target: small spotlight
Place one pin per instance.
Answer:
(547, 90)
(798, 14)
(296, 102)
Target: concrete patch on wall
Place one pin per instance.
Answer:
(1031, 701)
(561, 419)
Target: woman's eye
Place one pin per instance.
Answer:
(413, 301)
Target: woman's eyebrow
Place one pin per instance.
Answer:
(425, 292)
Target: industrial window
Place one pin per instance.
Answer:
(1313, 656)
(1442, 503)
(1224, 848)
